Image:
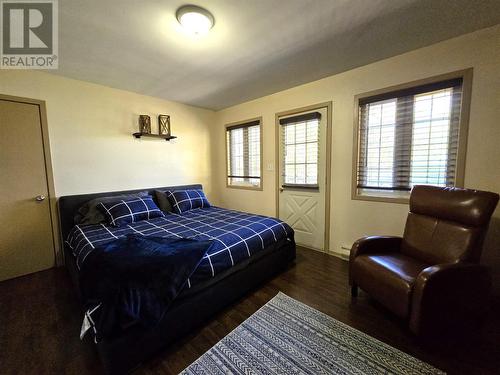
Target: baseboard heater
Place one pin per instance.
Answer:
(343, 253)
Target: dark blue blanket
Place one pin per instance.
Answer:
(134, 279)
(236, 236)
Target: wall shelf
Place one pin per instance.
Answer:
(161, 136)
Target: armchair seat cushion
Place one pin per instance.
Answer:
(389, 278)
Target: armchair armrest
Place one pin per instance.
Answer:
(448, 298)
(374, 245)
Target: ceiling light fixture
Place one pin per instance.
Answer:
(195, 19)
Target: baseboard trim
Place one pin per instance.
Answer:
(344, 255)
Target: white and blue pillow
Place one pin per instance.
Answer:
(122, 212)
(185, 200)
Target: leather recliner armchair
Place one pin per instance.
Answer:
(431, 276)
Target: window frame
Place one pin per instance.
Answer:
(245, 187)
(394, 196)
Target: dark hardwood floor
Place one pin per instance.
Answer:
(40, 320)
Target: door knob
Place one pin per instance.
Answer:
(281, 190)
(40, 198)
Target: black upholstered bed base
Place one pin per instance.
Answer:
(191, 308)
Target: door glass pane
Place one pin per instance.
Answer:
(290, 174)
(312, 153)
(290, 154)
(300, 173)
(301, 152)
(312, 174)
(312, 131)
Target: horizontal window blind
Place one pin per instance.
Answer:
(300, 146)
(243, 154)
(410, 137)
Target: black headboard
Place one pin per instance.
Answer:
(69, 204)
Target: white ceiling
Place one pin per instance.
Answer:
(257, 47)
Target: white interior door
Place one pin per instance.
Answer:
(302, 175)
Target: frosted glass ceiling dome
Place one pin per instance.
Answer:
(195, 19)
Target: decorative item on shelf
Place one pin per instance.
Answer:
(163, 128)
(144, 124)
(164, 125)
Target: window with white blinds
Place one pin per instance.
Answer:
(300, 147)
(409, 137)
(243, 154)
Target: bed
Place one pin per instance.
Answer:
(246, 251)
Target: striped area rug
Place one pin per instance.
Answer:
(287, 337)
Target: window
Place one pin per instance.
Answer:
(300, 137)
(409, 137)
(243, 154)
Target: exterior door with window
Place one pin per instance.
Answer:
(302, 176)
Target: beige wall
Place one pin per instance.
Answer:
(352, 219)
(90, 131)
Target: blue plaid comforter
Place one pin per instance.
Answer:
(236, 236)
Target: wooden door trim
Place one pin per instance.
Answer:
(49, 173)
(328, 105)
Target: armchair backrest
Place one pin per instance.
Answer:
(447, 225)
